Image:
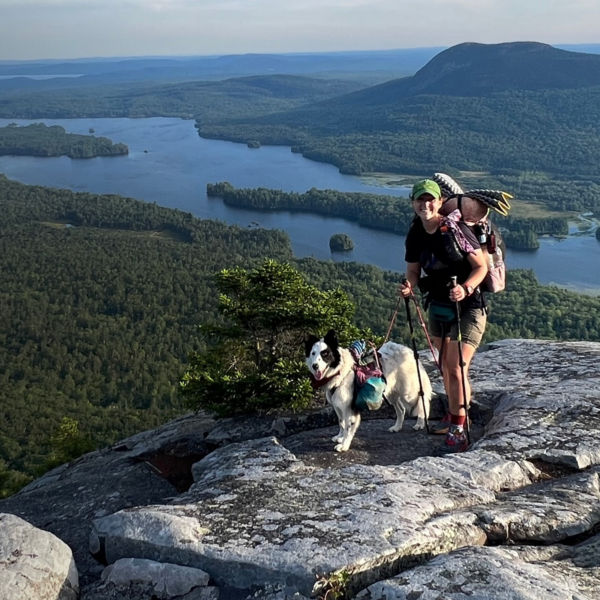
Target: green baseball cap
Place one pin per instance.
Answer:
(426, 186)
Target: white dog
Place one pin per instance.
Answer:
(332, 368)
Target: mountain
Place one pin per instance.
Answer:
(473, 107)
(472, 69)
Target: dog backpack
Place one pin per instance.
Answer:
(473, 208)
(369, 383)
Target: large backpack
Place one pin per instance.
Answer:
(473, 208)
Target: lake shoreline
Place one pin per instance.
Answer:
(170, 164)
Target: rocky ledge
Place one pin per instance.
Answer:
(263, 508)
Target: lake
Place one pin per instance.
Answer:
(168, 163)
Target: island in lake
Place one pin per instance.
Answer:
(39, 139)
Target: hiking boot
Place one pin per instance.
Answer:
(456, 441)
(441, 428)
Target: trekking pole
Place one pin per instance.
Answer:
(416, 355)
(461, 363)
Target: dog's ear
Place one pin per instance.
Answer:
(332, 342)
(309, 342)
(331, 339)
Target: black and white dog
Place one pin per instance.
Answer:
(332, 368)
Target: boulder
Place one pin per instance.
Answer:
(34, 563)
(139, 579)
(515, 573)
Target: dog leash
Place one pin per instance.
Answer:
(421, 319)
(394, 316)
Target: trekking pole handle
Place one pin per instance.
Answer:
(405, 282)
(453, 280)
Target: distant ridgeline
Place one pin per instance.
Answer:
(40, 140)
(388, 213)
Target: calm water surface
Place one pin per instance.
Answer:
(168, 163)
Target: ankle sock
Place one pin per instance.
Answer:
(458, 420)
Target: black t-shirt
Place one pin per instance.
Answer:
(429, 250)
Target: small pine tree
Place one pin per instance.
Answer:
(67, 443)
(253, 361)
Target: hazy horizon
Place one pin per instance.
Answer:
(76, 29)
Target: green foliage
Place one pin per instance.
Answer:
(67, 443)
(333, 586)
(203, 100)
(98, 318)
(39, 140)
(498, 134)
(254, 361)
(11, 481)
(370, 210)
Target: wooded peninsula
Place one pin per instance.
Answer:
(383, 212)
(39, 139)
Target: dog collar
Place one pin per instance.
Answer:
(319, 383)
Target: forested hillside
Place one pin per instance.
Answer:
(544, 135)
(204, 100)
(101, 297)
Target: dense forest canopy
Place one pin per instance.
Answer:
(102, 296)
(38, 139)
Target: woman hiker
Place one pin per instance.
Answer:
(451, 281)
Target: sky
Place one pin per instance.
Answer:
(54, 29)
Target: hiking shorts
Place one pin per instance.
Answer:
(472, 327)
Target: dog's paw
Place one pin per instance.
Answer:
(420, 424)
(395, 428)
(341, 448)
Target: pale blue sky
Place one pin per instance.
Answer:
(31, 29)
